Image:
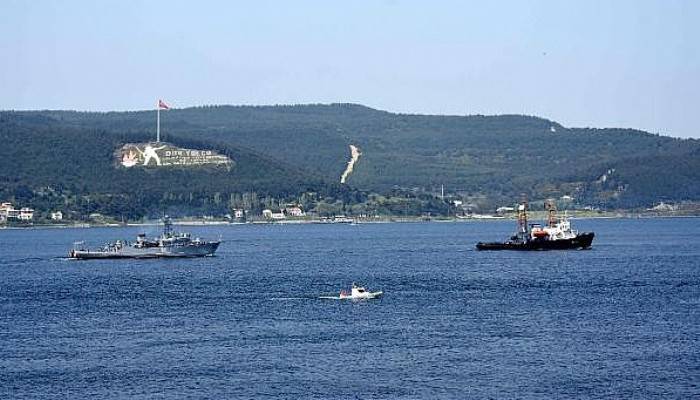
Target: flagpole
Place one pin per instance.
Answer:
(158, 124)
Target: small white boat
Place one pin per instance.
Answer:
(359, 293)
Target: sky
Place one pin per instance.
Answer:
(617, 63)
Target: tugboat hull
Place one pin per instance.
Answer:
(581, 241)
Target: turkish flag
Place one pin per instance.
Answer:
(161, 104)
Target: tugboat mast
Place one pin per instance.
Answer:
(551, 213)
(523, 229)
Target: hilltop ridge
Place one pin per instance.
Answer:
(285, 150)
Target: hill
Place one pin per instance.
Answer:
(488, 160)
(51, 164)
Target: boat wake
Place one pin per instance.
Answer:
(289, 298)
(25, 260)
(311, 298)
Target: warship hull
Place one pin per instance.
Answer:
(580, 241)
(191, 250)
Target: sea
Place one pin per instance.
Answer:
(618, 321)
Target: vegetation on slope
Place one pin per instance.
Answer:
(284, 152)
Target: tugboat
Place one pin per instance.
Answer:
(557, 235)
(169, 244)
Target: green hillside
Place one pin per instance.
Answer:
(50, 164)
(283, 151)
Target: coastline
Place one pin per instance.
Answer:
(386, 220)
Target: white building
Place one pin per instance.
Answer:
(278, 215)
(56, 216)
(26, 214)
(7, 212)
(294, 211)
(566, 197)
(268, 214)
(503, 210)
(664, 207)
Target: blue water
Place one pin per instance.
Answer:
(618, 321)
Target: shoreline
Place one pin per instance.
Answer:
(390, 220)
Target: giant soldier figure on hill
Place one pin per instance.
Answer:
(150, 152)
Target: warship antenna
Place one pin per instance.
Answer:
(167, 225)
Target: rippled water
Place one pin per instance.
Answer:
(618, 321)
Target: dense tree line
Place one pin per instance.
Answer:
(286, 152)
(50, 166)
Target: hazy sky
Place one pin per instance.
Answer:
(581, 63)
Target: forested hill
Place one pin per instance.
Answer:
(491, 158)
(51, 164)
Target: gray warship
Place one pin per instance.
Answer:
(170, 244)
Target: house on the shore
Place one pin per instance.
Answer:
(504, 210)
(268, 214)
(663, 207)
(294, 211)
(9, 212)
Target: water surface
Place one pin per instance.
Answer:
(618, 321)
